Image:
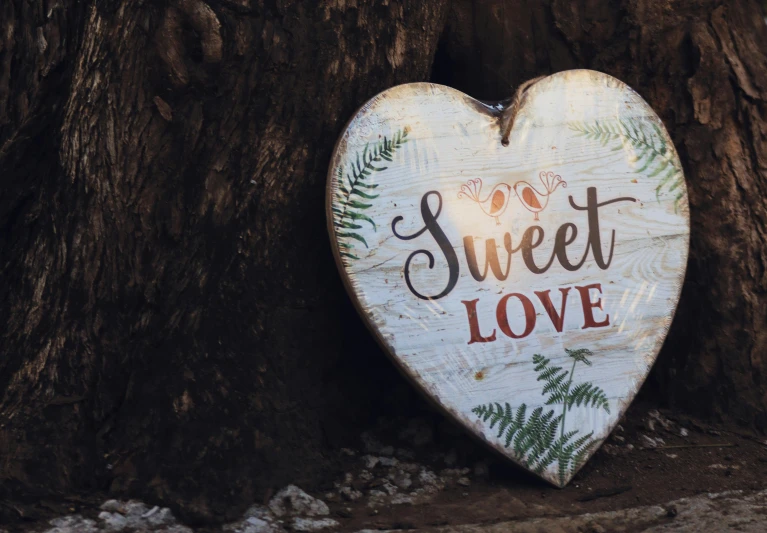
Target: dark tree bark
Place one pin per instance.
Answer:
(173, 325)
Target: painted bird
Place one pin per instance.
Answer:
(534, 200)
(495, 203)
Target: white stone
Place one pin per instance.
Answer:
(292, 501)
(402, 499)
(112, 506)
(113, 521)
(160, 517)
(388, 461)
(66, 521)
(71, 524)
(313, 524)
(350, 493)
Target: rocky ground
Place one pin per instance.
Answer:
(656, 472)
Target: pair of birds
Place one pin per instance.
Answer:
(497, 201)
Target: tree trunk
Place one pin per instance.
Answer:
(173, 325)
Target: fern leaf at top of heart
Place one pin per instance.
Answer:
(355, 193)
(653, 152)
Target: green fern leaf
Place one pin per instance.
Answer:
(580, 355)
(649, 142)
(354, 188)
(352, 235)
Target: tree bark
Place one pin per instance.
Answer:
(173, 325)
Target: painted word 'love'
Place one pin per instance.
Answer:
(557, 317)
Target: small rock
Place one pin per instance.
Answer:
(183, 529)
(66, 521)
(313, 524)
(650, 442)
(464, 481)
(427, 477)
(618, 438)
(160, 517)
(348, 451)
(113, 521)
(370, 462)
(350, 494)
(365, 475)
(401, 479)
(134, 509)
(151, 511)
(293, 501)
(390, 488)
(410, 468)
(430, 482)
(662, 420)
(376, 498)
(257, 519)
(402, 499)
(112, 506)
(629, 447)
(345, 512)
(720, 466)
(683, 432)
(672, 455)
(388, 461)
(258, 511)
(258, 525)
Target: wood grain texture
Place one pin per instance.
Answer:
(576, 130)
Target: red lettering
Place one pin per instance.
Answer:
(471, 310)
(558, 319)
(588, 306)
(503, 319)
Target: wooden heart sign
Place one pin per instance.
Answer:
(525, 287)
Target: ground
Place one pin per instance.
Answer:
(659, 468)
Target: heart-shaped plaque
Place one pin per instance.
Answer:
(525, 286)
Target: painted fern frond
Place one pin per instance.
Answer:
(539, 440)
(588, 395)
(654, 154)
(554, 378)
(355, 194)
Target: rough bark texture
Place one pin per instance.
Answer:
(172, 322)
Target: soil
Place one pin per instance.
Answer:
(711, 458)
(708, 458)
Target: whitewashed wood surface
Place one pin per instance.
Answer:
(452, 139)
